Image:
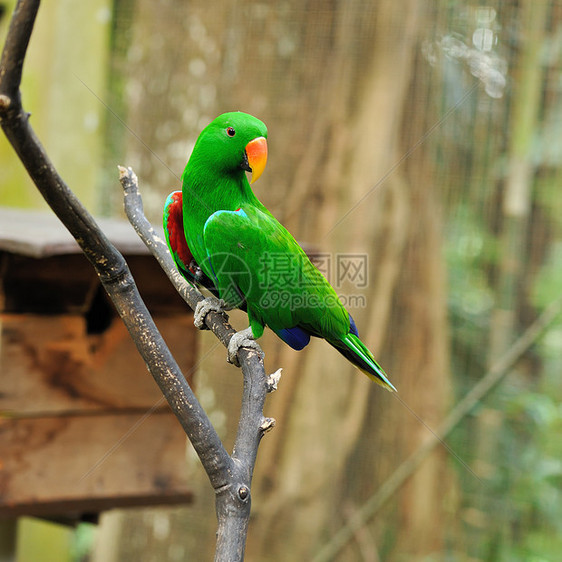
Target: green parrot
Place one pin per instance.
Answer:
(224, 239)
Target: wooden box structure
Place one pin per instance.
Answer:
(83, 426)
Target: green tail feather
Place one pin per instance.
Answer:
(356, 352)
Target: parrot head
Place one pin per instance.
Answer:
(233, 142)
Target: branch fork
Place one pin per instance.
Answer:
(230, 475)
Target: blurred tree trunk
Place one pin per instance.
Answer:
(514, 257)
(354, 434)
(335, 85)
(517, 196)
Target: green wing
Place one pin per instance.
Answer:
(254, 259)
(252, 256)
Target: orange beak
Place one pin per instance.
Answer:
(256, 152)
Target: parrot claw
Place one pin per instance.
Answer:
(244, 338)
(273, 380)
(204, 307)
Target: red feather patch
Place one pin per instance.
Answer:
(176, 235)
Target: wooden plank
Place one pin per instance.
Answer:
(40, 234)
(59, 464)
(49, 365)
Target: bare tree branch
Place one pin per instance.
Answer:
(217, 322)
(252, 425)
(229, 476)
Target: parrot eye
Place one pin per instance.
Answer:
(230, 132)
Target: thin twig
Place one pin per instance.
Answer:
(252, 425)
(217, 322)
(496, 373)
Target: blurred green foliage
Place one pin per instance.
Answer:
(42, 540)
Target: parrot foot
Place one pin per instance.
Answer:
(243, 338)
(273, 380)
(204, 307)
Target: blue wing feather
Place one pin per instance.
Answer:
(295, 337)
